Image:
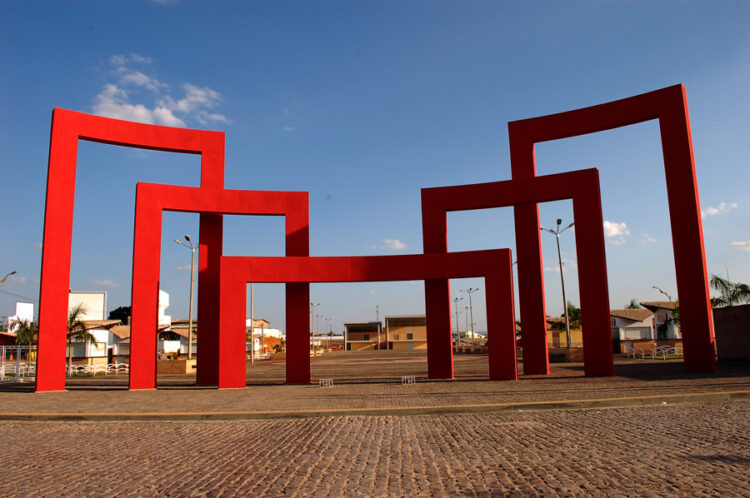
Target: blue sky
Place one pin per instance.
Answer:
(362, 104)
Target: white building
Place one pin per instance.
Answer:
(24, 313)
(631, 326)
(664, 313)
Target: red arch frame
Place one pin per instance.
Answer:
(237, 271)
(669, 106)
(68, 127)
(582, 187)
(151, 201)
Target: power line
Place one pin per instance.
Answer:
(19, 295)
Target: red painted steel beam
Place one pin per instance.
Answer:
(68, 127)
(493, 265)
(582, 187)
(151, 201)
(669, 106)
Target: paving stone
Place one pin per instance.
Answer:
(687, 449)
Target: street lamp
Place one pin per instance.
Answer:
(6, 276)
(470, 291)
(556, 232)
(192, 248)
(458, 334)
(312, 323)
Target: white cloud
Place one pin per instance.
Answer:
(183, 268)
(289, 128)
(137, 78)
(112, 102)
(104, 283)
(371, 292)
(723, 207)
(38, 245)
(742, 245)
(616, 232)
(117, 99)
(393, 245)
(647, 239)
(18, 279)
(614, 229)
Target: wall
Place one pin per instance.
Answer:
(732, 329)
(558, 338)
(94, 303)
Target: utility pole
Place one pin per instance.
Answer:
(377, 313)
(470, 291)
(466, 314)
(458, 335)
(312, 311)
(252, 328)
(192, 248)
(557, 233)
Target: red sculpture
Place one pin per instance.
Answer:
(67, 128)
(580, 186)
(151, 201)
(494, 266)
(222, 279)
(669, 106)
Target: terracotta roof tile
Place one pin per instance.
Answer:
(637, 315)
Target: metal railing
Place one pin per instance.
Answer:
(657, 352)
(13, 366)
(108, 369)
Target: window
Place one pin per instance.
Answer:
(410, 337)
(367, 337)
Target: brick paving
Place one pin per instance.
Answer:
(674, 450)
(369, 381)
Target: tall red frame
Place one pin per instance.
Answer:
(151, 201)
(669, 106)
(493, 265)
(68, 127)
(582, 187)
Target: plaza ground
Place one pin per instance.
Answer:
(650, 430)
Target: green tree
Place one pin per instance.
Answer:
(122, 313)
(574, 316)
(77, 331)
(27, 332)
(730, 293)
(633, 305)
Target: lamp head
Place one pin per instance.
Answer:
(12, 273)
(187, 237)
(559, 221)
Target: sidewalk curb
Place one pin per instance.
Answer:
(385, 411)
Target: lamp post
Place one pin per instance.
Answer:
(192, 248)
(470, 291)
(6, 276)
(557, 233)
(458, 334)
(312, 323)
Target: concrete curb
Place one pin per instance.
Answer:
(384, 411)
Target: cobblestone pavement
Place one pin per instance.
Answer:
(682, 450)
(370, 381)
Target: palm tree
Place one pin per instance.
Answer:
(27, 332)
(633, 305)
(731, 293)
(77, 331)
